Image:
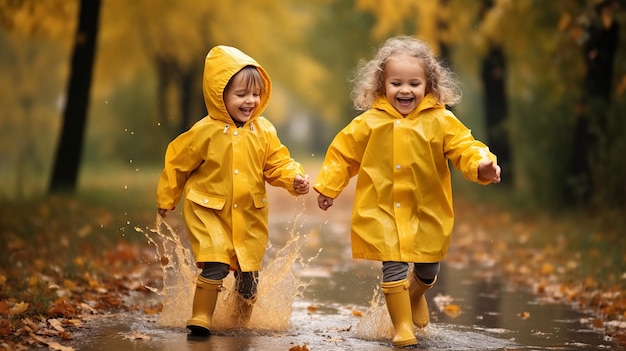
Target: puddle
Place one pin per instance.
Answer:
(325, 298)
(327, 315)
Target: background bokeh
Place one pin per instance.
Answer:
(524, 67)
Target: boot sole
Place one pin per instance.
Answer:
(197, 330)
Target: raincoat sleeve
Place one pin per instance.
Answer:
(280, 169)
(342, 160)
(181, 159)
(464, 152)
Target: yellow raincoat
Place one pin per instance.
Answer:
(221, 170)
(403, 201)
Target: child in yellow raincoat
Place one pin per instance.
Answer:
(220, 167)
(399, 148)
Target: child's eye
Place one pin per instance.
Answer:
(395, 84)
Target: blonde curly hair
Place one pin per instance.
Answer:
(369, 75)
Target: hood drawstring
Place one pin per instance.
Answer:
(225, 128)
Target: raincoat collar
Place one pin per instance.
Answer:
(429, 102)
(221, 64)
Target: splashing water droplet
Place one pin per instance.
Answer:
(278, 286)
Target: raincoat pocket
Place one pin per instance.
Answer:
(260, 200)
(209, 201)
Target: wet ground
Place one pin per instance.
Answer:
(327, 317)
(335, 305)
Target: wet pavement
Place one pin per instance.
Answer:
(329, 314)
(332, 302)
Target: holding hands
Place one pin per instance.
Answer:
(301, 184)
(324, 202)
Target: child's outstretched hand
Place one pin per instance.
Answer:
(489, 171)
(301, 184)
(324, 202)
(162, 212)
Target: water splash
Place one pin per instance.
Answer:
(278, 286)
(376, 323)
(179, 274)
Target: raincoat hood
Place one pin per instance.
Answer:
(220, 65)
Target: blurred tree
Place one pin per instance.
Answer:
(538, 103)
(67, 160)
(339, 54)
(34, 42)
(174, 37)
(588, 171)
(493, 75)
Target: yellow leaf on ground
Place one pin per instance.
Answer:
(357, 313)
(547, 269)
(452, 311)
(18, 308)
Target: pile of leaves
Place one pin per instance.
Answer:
(63, 263)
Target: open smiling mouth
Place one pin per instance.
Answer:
(405, 101)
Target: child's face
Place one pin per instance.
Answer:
(241, 101)
(405, 82)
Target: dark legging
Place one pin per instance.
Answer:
(394, 271)
(246, 281)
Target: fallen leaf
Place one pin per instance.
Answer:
(5, 327)
(153, 310)
(547, 269)
(4, 308)
(135, 335)
(452, 311)
(597, 323)
(18, 308)
(524, 315)
(52, 345)
(86, 307)
(54, 323)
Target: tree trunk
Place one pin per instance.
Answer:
(493, 74)
(67, 161)
(591, 131)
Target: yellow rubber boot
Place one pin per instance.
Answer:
(204, 301)
(419, 307)
(399, 307)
